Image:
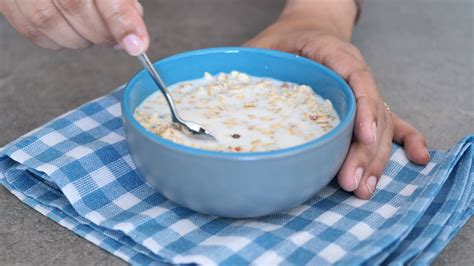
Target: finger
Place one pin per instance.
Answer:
(358, 161)
(365, 128)
(45, 17)
(375, 167)
(367, 116)
(140, 9)
(21, 25)
(354, 51)
(362, 82)
(351, 172)
(269, 42)
(84, 17)
(126, 24)
(412, 140)
(354, 166)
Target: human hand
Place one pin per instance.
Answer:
(78, 24)
(375, 125)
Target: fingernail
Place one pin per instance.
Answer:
(133, 45)
(374, 132)
(117, 46)
(371, 183)
(358, 175)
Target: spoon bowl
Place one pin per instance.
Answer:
(194, 130)
(189, 128)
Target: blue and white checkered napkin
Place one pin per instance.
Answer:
(77, 171)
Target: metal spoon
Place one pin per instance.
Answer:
(187, 127)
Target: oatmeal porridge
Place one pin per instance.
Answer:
(244, 113)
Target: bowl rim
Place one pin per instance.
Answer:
(127, 113)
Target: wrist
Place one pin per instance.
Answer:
(329, 16)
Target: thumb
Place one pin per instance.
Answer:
(124, 20)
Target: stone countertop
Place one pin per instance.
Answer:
(422, 55)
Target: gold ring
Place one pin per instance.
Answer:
(387, 107)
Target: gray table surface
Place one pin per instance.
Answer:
(421, 52)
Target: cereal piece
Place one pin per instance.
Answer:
(275, 125)
(222, 77)
(249, 105)
(266, 118)
(305, 89)
(230, 122)
(243, 77)
(221, 98)
(154, 118)
(239, 96)
(255, 142)
(265, 131)
(208, 76)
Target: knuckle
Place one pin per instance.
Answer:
(361, 73)
(323, 45)
(401, 132)
(389, 128)
(414, 134)
(70, 6)
(372, 152)
(422, 137)
(57, 48)
(106, 42)
(410, 135)
(378, 164)
(389, 148)
(387, 115)
(30, 33)
(261, 42)
(81, 45)
(368, 103)
(327, 40)
(364, 153)
(118, 14)
(380, 110)
(43, 17)
(376, 169)
(355, 51)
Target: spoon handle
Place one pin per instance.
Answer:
(161, 85)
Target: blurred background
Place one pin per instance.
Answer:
(422, 53)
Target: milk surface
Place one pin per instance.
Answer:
(244, 113)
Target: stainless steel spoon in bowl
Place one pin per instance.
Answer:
(187, 127)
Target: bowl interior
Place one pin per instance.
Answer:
(256, 62)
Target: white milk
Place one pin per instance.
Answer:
(244, 113)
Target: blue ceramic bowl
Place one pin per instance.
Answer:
(239, 184)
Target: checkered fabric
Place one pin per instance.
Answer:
(77, 171)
